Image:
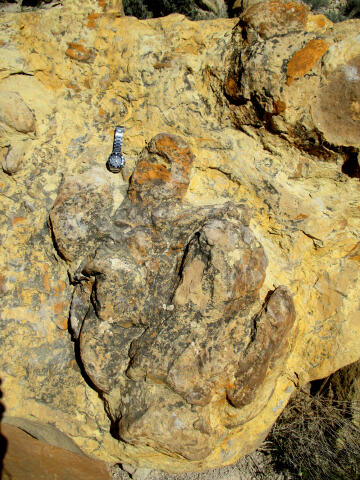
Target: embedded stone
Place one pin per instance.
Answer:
(15, 113)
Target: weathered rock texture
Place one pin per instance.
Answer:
(166, 305)
(224, 272)
(311, 97)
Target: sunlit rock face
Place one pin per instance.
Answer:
(150, 315)
(166, 306)
(304, 85)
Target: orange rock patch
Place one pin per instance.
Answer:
(46, 281)
(73, 86)
(301, 216)
(164, 166)
(78, 52)
(231, 87)
(160, 65)
(102, 3)
(91, 19)
(58, 308)
(175, 152)
(305, 59)
(3, 288)
(148, 172)
(18, 220)
(317, 22)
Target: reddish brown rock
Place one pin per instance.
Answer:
(163, 170)
(270, 342)
(29, 459)
(77, 51)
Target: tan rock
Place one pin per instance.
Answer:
(14, 157)
(336, 111)
(86, 220)
(255, 133)
(15, 114)
(303, 61)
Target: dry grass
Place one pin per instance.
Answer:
(317, 437)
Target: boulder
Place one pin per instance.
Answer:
(162, 317)
(298, 73)
(173, 327)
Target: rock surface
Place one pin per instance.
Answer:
(44, 432)
(29, 459)
(172, 331)
(224, 272)
(311, 96)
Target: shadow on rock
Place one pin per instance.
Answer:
(3, 441)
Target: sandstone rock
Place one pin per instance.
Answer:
(247, 174)
(173, 305)
(15, 114)
(29, 459)
(336, 110)
(14, 158)
(304, 92)
(45, 433)
(82, 207)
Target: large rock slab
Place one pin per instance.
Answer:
(172, 330)
(224, 273)
(29, 459)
